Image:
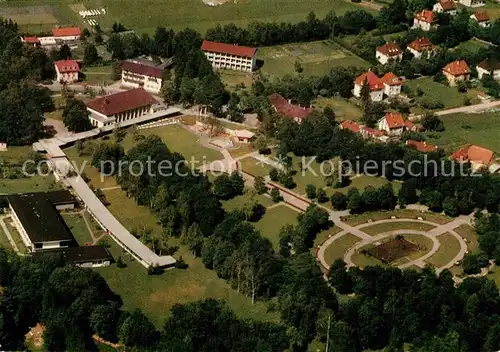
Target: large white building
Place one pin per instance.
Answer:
(115, 108)
(67, 33)
(143, 73)
(67, 71)
(229, 56)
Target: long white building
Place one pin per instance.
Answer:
(229, 56)
(142, 73)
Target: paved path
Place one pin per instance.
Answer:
(463, 109)
(8, 234)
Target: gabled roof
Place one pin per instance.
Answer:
(287, 109)
(66, 32)
(447, 5)
(457, 68)
(421, 44)
(490, 64)
(65, 66)
(390, 49)
(141, 69)
(31, 40)
(426, 16)
(391, 79)
(481, 16)
(474, 154)
(373, 81)
(350, 125)
(232, 49)
(373, 132)
(423, 147)
(113, 104)
(394, 120)
(409, 125)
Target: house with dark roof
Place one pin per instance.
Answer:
(144, 73)
(445, 6)
(37, 219)
(230, 56)
(392, 123)
(421, 48)
(425, 20)
(490, 67)
(85, 257)
(389, 52)
(115, 108)
(481, 18)
(67, 71)
(285, 108)
(455, 71)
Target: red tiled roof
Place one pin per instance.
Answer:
(390, 49)
(481, 16)
(394, 120)
(409, 125)
(110, 105)
(66, 32)
(473, 153)
(64, 66)
(373, 132)
(457, 68)
(350, 125)
(421, 44)
(426, 16)
(232, 49)
(31, 40)
(447, 5)
(391, 79)
(142, 69)
(283, 107)
(373, 81)
(423, 147)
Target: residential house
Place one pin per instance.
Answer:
(392, 123)
(67, 33)
(389, 52)
(421, 48)
(34, 41)
(376, 86)
(423, 147)
(143, 72)
(482, 18)
(285, 108)
(425, 20)
(414, 127)
(478, 157)
(472, 3)
(230, 56)
(456, 71)
(67, 71)
(392, 84)
(351, 126)
(371, 133)
(445, 6)
(115, 108)
(490, 67)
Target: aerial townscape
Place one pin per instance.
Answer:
(240, 176)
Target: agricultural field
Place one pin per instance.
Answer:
(146, 15)
(460, 129)
(315, 58)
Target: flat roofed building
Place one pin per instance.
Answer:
(38, 221)
(67, 71)
(119, 107)
(230, 56)
(85, 257)
(147, 74)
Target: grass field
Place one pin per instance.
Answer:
(28, 184)
(354, 220)
(363, 181)
(83, 163)
(481, 129)
(472, 46)
(338, 248)
(272, 222)
(78, 228)
(240, 201)
(98, 75)
(362, 260)
(434, 91)
(469, 233)
(446, 252)
(323, 235)
(396, 225)
(234, 79)
(315, 58)
(344, 109)
(254, 167)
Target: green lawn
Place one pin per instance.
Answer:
(337, 249)
(240, 201)
(362, 181)
(396, 225)
(471, 46)
(324, 235)
(254, 167)
(344, 109)
(98, 75)
(272, 222)
(78, 228)
(17, 237)
(469, 233)
(235, 79)
(482, 129)
(316, 58)
(434, 91)
(446, 252)
(361, 260)
(28, 184)
(83, 162)
(354, 220)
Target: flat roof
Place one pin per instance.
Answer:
(78, 255)
(39, 217)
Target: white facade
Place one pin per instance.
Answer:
(471, 3)
(483, 24)
(383, 126)
(424, 54)
(375, 95)
(383, 59)
(439, 9)
(66, 77)
(137, 80)
(423, 25)
(481, 72)
(100, 120)
(392, 90)
(231, 62)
